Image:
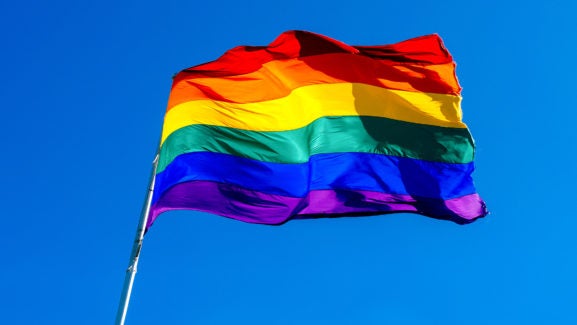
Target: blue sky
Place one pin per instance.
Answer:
(83, 91)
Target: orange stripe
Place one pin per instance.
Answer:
(278, 78)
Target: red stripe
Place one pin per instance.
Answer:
(427, 49)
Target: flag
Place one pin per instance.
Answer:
(311, 127)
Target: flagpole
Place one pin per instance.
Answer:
(136, 247)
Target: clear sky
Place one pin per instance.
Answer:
(83, 89)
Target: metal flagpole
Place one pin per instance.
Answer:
(137, 246)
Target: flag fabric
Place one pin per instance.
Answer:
(311, 127)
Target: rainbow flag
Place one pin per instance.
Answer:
(311, 127)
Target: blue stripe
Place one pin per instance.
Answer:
(359, 171)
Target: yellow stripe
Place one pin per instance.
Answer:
(309, 103)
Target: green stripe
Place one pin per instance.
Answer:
(325, 135)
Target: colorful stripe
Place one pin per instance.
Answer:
(309, 126)
(306, 104)
(370, 172)
(278, 79)
(325, 135)
(245, 205)
(424, 50)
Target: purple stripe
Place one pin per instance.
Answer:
(256, 207)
